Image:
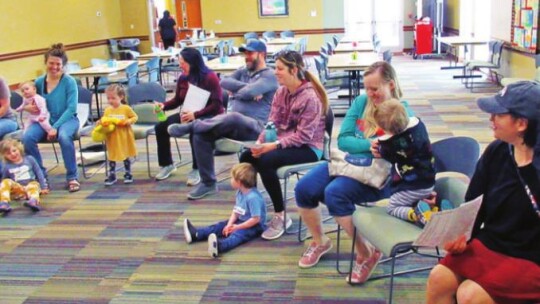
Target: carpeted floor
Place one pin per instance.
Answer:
(125, 243)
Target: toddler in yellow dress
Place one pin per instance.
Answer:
(120, 142)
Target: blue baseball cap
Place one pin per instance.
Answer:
(520, 98)
(254, 45)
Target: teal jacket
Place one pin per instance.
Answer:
(62, 101)
(351, 135)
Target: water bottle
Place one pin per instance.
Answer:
(354, 53)
(160, 114)
(270, 133)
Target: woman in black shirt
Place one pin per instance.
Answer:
(501, 262)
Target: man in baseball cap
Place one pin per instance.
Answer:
(253, 45)
(521, 99)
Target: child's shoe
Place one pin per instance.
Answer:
(213, 245)
(423, 213)
(4, 207)
(446, 205)
(190, 232)
(110, 180)
(128, 178)
(33, 204)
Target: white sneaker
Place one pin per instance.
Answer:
(193, 178)
(275, 228)
(213, 245)
(165, 172)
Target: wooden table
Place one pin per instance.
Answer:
(285, 41)
(99, 71)
(348, 47)
(344, 62)
(454, 42)
(233, 63)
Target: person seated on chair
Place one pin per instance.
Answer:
(357, 136)
(60, 91)
(299, 114)
(195, 72)
(407, 147)
(501, 261)
(8, 121)
(251, 89)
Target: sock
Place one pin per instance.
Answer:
(112, 168)
(127, 166)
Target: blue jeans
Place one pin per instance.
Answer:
(341, 194)
(7, 126)
(233, 240)
(205, 132)
(66, 134)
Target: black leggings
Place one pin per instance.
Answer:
(164, 142)
(268, 164)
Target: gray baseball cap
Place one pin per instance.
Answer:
(520, 98)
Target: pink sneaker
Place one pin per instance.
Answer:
(362, 271)
(313, 254)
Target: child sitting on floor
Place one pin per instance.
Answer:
(406, 145)
(22, 177)
(247, 220)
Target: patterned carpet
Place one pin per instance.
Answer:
(125, 244)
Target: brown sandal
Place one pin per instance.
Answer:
(74, 186)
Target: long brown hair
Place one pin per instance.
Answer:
(293, 59)
(388, 75)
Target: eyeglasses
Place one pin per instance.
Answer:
(288, 57)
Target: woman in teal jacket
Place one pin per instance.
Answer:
(60, 92)
(341, 193)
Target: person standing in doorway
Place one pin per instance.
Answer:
(167, 30)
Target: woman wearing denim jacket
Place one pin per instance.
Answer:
(341, 193)
(298, 111)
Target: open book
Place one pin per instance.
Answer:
(196, 99)
(448, 225)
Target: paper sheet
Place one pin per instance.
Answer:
(196, 99)
(448, 225)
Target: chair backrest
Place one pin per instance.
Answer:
(15, 100)
(497, 53)
(250, 35)
(146, 92)
(84, 106)
(329, 47)
(452, 189)
(132, 74)
(335, 39)
(319, 65)
(269, 35)
(456, 154)
(387, 56)
(145, 114)
(153, 69)
(324, 49)
(230, 47)
(286, 34)
(303, 45)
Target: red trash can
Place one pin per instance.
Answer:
(424, 37)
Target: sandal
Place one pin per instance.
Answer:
(74, 186)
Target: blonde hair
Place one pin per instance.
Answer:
(7, 144)
(391, 116)
(293, 59)
(57, 50)
(29, 82)
(245, 174)
(388, 75)
(119, 90)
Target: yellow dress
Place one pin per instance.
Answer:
(121, 142)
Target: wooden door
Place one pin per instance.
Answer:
(189, 16)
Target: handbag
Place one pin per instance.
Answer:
(373, 172)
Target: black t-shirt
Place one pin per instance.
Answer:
(167, 29)
(507, 222)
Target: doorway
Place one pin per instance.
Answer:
(382, 17)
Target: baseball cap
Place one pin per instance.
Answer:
(520, 98)
(253, 45)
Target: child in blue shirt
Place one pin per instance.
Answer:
(246, 221)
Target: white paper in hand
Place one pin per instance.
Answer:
(446, 226)
(196, 99)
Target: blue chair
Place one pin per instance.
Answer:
(152, 70)
(250, 35)
(269, 35)
(456, 154)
